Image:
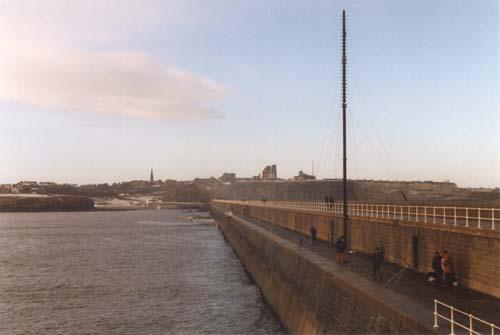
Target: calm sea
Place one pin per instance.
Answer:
(135, 272)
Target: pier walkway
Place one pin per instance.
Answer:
(411, 284)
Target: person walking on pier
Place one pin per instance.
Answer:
(340, 246)
(377, 260)
(313, 235)
(447, 267)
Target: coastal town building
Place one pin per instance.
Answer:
(303, 176)
(269, 173)
(228, 177)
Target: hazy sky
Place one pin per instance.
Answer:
(102, 91)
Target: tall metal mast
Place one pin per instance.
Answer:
(344, 108)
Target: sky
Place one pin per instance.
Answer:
(102, 91)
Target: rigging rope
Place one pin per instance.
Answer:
(391, 169)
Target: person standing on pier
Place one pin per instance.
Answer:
(340, 246)
(436, 267)
(377, 260)
(313, 235)
(447, 267)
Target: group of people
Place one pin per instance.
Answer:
(340, 245)
(443, 271)
(442, 265)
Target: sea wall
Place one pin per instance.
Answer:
(310, 294)
(362, 190)
(474, 251)
(45, 203)
(416, 193)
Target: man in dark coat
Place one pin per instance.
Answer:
(340, 246)
(377, 260)
(313, 235)
(437, 271)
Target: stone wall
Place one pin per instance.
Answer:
(307, 293)
(474, 251)
(415, 193)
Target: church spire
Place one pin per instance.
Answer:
(152, 179)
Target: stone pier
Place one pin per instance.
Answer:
(313, 295)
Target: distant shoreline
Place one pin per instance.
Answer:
(41, 203)
(48, 203)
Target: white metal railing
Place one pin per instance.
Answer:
(485, 218)
(457, 316)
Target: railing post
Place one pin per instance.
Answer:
(434, 214)
(493, 218)
(394, 208)
(492, 329)
(401, 214)
(479, 217)
(470, 324)
(409, 216)
(454, 216)
(444, 215)
(467, 216)
(416, 214)
(435, 315)
(452, 321)
(425, 214)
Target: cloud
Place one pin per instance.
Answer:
(130, 83)
(42, 66)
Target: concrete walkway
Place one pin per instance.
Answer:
(412, 285)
